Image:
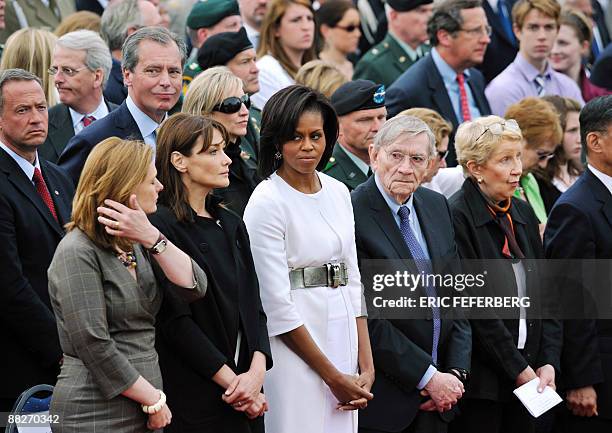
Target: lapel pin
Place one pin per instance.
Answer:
(56, 192)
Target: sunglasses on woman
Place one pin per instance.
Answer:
(232, 104)
(349, 29)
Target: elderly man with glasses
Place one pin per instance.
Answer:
(80, 66)
(421, 363)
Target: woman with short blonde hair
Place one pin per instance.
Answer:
(321, 76)
(218, 94)
(106, 282)
(31, 49)
(82, 20)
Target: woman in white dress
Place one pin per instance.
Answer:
(301, 226)
(286, 43)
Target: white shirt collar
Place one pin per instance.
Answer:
(25, 165)
(605, 179)
(146, 125)
(100, 112)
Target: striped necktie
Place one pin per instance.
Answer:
(423, 266)
(463, 99)
(539, 81)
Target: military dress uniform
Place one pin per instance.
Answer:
(250, 143)
(350, 97)
(205, 14)
(386, 61)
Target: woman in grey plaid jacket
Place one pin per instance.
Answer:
(106, 283)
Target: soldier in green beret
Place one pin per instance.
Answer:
(403, 45)
(207, 18)
(360, 106)
(236, 52)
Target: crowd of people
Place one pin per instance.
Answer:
(191, 194)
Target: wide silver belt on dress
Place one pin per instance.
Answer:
(328, 275)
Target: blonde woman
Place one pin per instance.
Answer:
(31, 49)
(321, 76)
(218, 94)
(286, 43)
(106, 283)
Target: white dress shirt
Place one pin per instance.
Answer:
(77, 118)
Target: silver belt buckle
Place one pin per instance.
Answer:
(333, 274)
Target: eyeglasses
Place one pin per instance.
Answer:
(545, 156)
(478, 31)
(349, 29)
(233, 104)
(442, 155)
(498, 128)
(416, 161)
(70, 72)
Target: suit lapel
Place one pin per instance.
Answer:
(426, 217)
(24, 185)
(353, 174)
(602, 194)
(478, 93)
(61, 198)
(439, 93)
(44, 14)
(385, 220)
(125, 121)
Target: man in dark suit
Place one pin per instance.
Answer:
(35, 199)
(120, 20)
(151, 58)
(503, 46)
(420, 363)
(360, 106)
(81, 63)
(580, 227)
(446, 81)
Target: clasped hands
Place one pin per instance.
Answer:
(352, 391)
(444, 390)
(244, 394)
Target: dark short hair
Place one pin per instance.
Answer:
(595, 116)
(280, 118)
(447, 16)
(179, 133)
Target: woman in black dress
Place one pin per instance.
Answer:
(213, 354)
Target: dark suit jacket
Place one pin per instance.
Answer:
(193, 340)
(118, 123)
(29, 235)
(342, 168)
(580, 227)
(599, 18)
(402, 348)
(422, 86)
(502, 50)
(60, 132)
(115, 91)
(496, 361)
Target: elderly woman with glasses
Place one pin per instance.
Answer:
(218, 94)
(509, 347)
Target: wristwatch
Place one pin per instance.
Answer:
(160, 245)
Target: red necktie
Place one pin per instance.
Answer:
(43, 192)
(465, 108)
(87, 120)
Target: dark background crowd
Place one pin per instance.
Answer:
(189, 190)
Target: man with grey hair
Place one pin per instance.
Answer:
(153, 60)
(80, 65)
(421, 364)
(120, 20)
(35, 203)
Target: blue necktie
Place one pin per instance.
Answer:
(504, 17)
(424, 266)
(540, 82)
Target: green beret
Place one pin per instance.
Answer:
(407, 5)
(219, 49)
(207, 13)
(358, 95)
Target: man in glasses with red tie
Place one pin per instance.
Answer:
(80, 66)
(35, 203)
